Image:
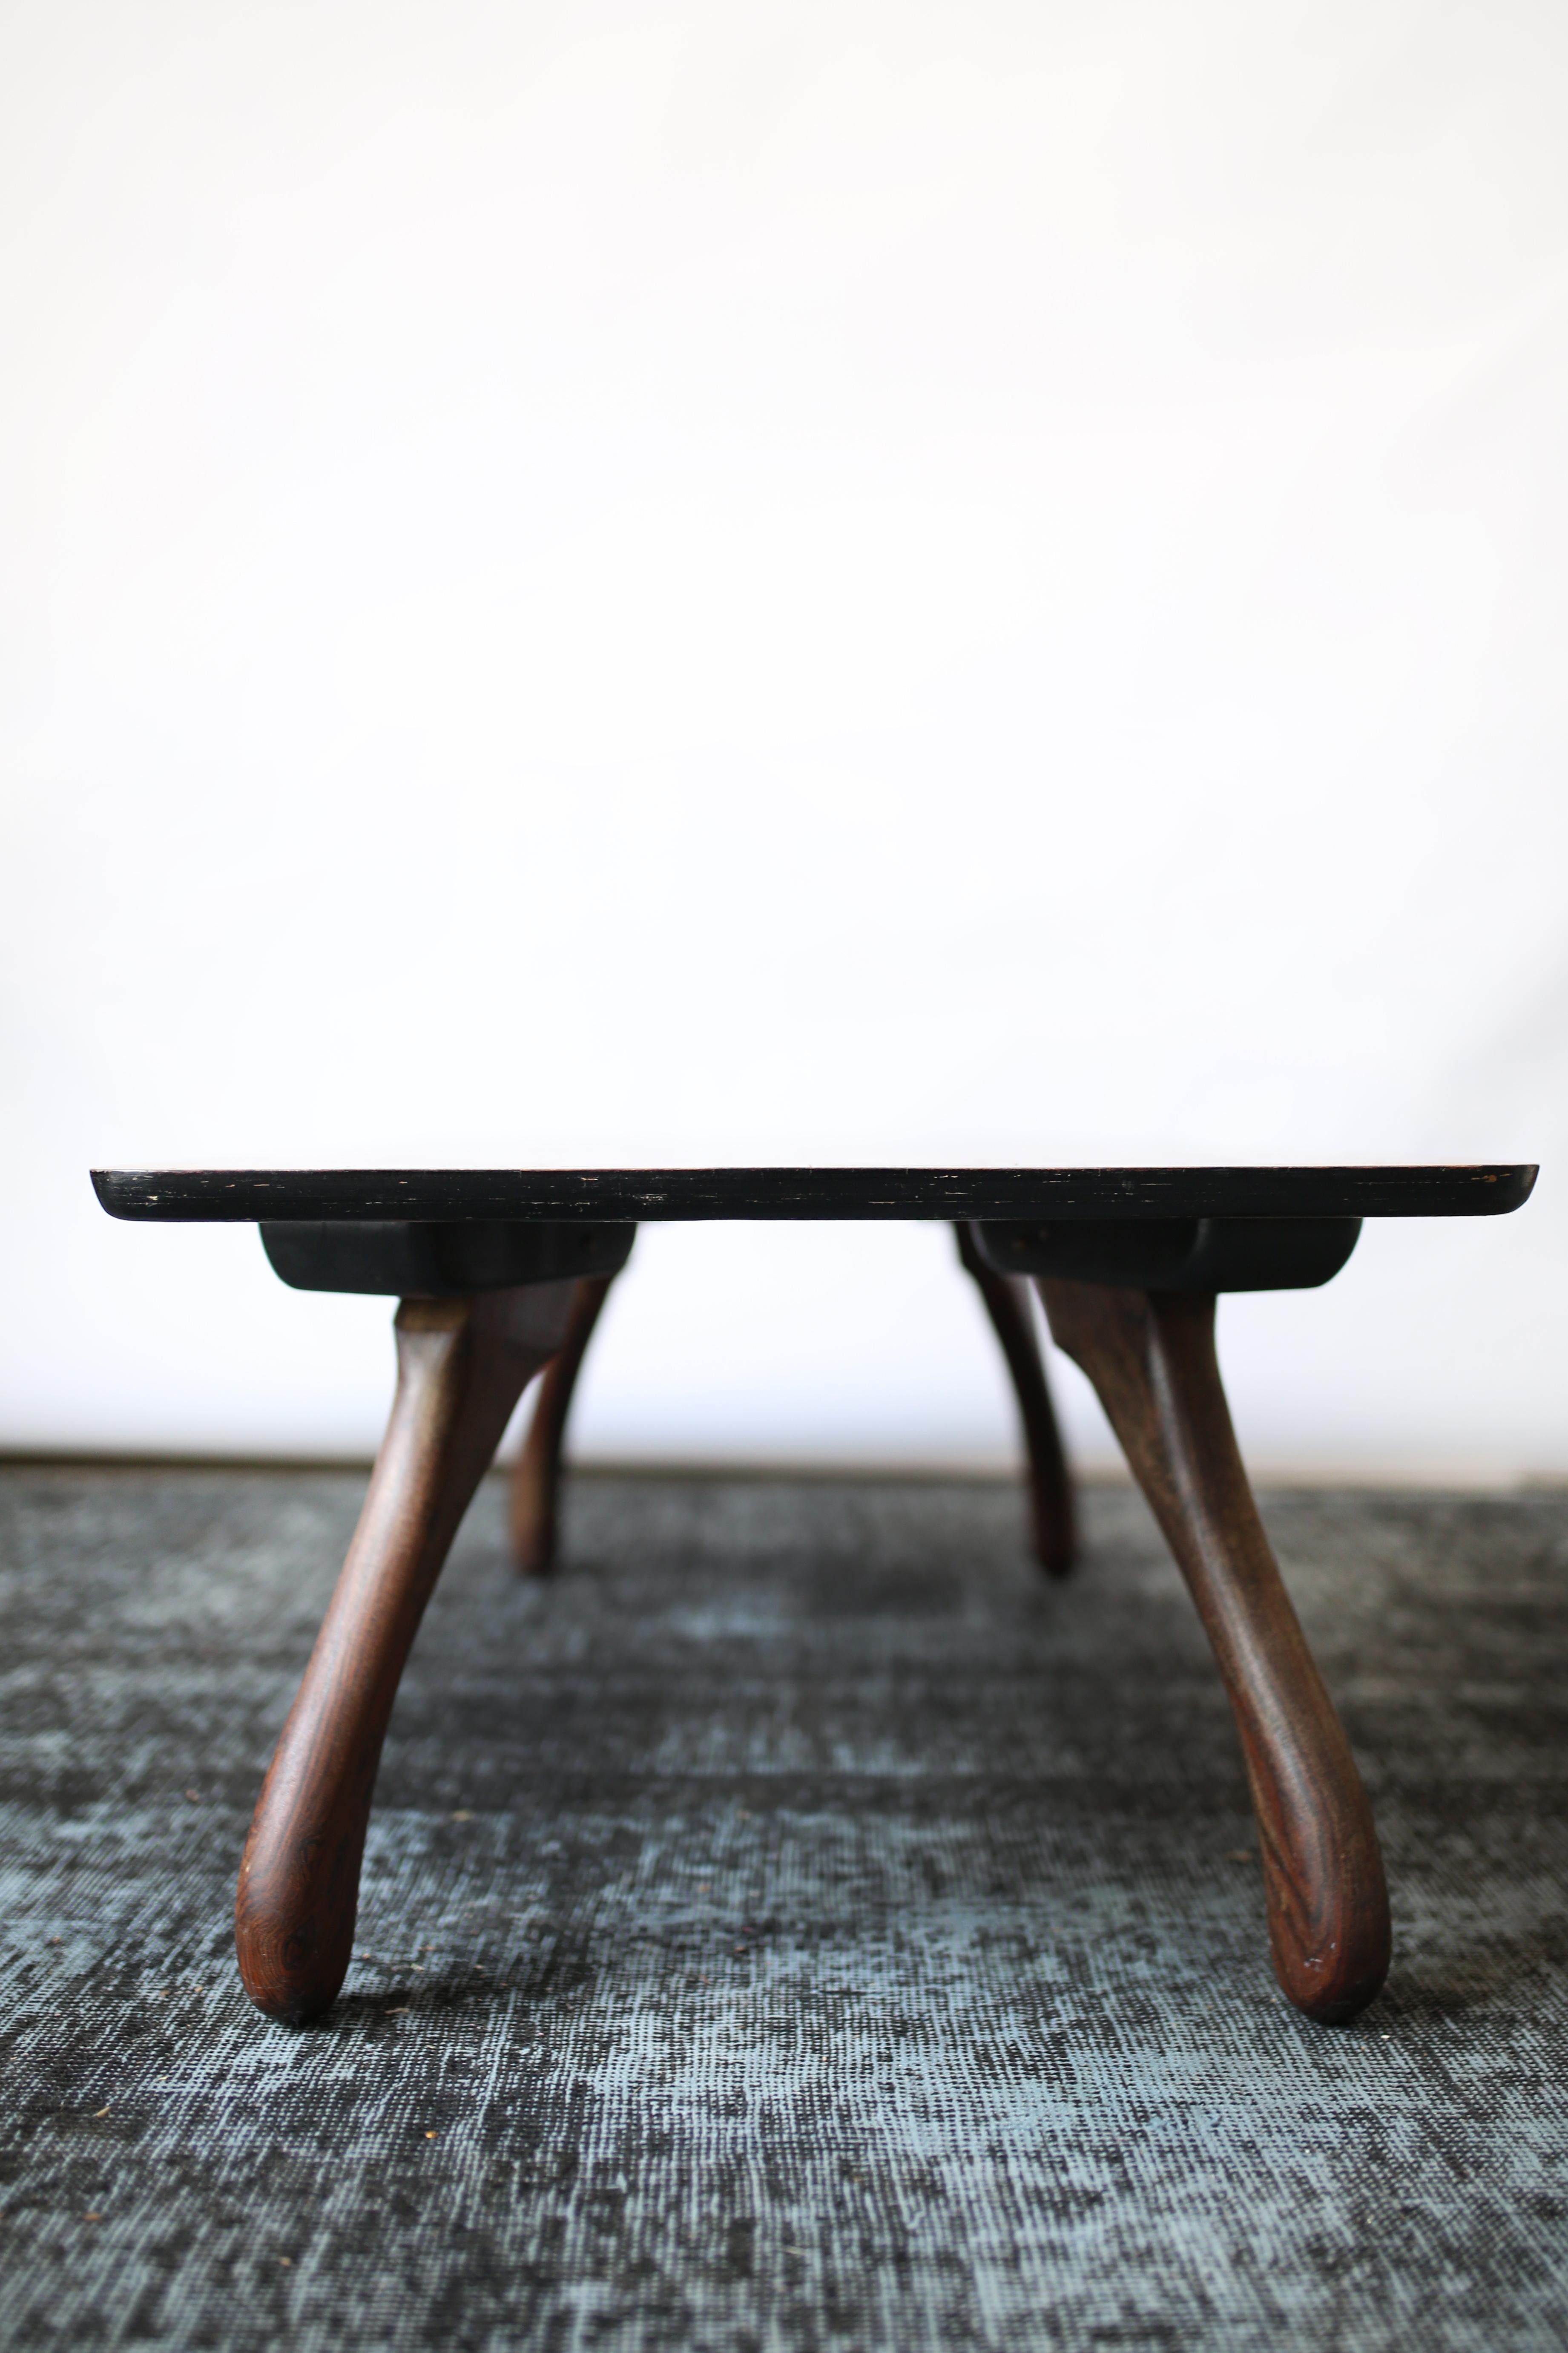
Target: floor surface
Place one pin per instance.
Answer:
(799, 1924)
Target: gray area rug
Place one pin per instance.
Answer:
(799, 1925)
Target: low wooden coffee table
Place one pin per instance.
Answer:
(501, 1274)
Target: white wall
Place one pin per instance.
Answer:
(897, 580)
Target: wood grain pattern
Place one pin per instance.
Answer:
(534, 1501)
(461, 1366)
(1008, 1305)
(1151, 1357)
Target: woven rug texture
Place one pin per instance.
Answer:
(797, 1925)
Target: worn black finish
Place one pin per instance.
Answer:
(439, 1261)
(1176, 1253)
(651, 1195)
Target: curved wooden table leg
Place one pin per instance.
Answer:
(536, 1474)
(1050, 1482)
(461, 1366)
(1150, 1355)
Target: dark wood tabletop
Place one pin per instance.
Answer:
(658, 1195)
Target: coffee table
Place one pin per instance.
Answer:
(501, 1274)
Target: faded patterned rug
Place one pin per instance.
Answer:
(797, 1926)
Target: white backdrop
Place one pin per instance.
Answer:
(899, 580)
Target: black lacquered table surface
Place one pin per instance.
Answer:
(647, 1196)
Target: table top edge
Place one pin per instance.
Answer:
(830, 1193)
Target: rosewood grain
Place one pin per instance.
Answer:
(1150, 1355)
(1011, 1313)
(536, 1474)
(461, 1366)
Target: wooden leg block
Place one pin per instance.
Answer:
(1150, 1355)
(461, 1366)
(536, 1474)
(1008, 1305)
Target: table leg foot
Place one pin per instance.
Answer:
(1150, 1355)
(536, 1474)
(461, 1366)
(1008, 1305)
